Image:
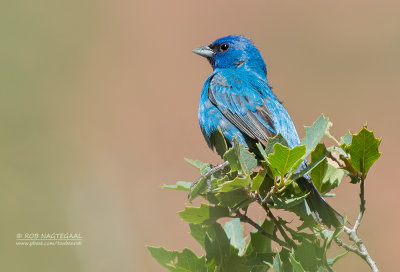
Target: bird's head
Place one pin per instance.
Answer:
(233, 52)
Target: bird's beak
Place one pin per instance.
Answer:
(204, 51)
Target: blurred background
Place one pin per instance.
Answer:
(98, 108)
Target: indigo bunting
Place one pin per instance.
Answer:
(237, 99)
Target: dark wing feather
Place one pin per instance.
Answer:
(244, 107)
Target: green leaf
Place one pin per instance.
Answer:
(315, 133)
(219, 251)
(260, 262)
(277, 139)
(286, 203)
(309, 255)
(309, 168)
(220, 143)
(164, 257)
(262, 151)
(199, 188)
(199, 232)
(202, 166)
(332, 261)
(234, 231)
(258, 180)
(346, 139)
(179, 186)
(363, 150)
(238, 182)
(178, 261)
(270, 145)
(296, 265)
(259, 243)
(318, 173)
(283, 158)
(188, 261)
(277, 264)
(297, 235)
(203, 214)
(325, 177)
(304, 212)
(240, 158)
(332, 179)
(329, 236)
(234, 199)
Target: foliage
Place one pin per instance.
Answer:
(274, 243)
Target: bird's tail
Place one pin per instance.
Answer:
(320, 209)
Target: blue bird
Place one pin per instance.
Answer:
(237, 99)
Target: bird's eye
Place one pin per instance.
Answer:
(224, 47)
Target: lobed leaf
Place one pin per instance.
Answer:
(284, 158)
(258, 180)
(269, 148)
(332, 261)
(179, 186)
(178, 261)
(277, 264)
(260, 262)
(221, 253)
(363, 150)
(319, 172)
(202, 166)
(188, 261)
(332, 179)
(314, 133)
(198, 188)
(240, 158)
(345, 140)
(308, 168)
(286, 203)
(296, 265)
(324, 176)
(309, 255)
(199, 232)
(258, 242)
(164, 257)
(220, 143)
(277, 139)
(234, 199)
(238, 182)
(203, 214)
(234, 231)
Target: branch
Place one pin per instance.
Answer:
(361, 249)
(208, 174)
(347, 247)
(246, 219)
(215, 169)
(278, 225)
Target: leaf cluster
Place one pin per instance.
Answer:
(269, 182)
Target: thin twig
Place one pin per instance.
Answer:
(362, 207)
(361, 249)
(263, 204)
(208, 174)
(215, 169)
(246, 219)
(333, 158)
(347, 247)
(278, 225)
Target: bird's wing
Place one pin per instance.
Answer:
(243, 105)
